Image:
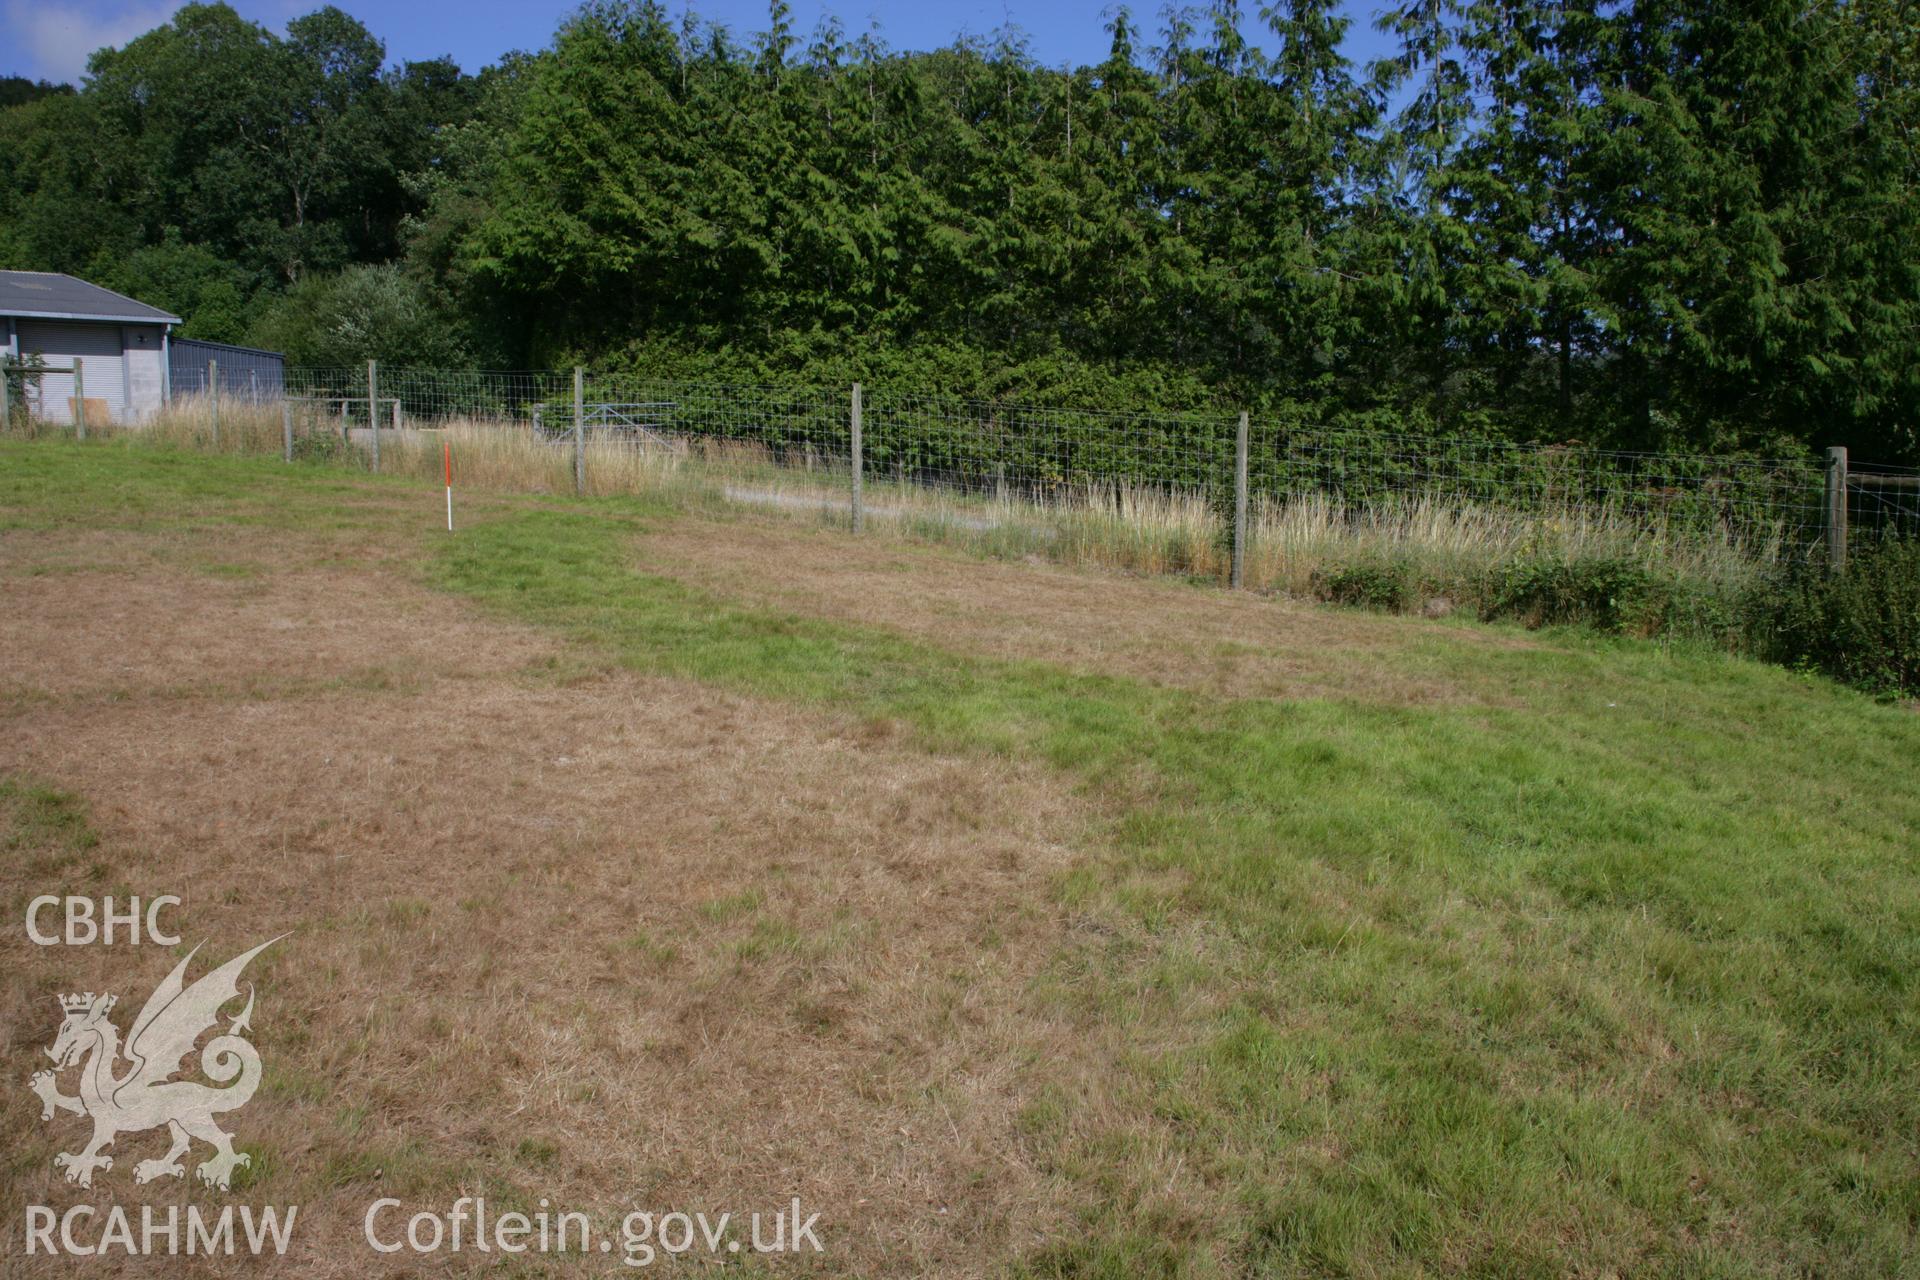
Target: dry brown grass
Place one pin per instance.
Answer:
(134, 636)
(1154, 629)
(554, 930)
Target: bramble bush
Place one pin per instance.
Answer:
(1613, 594)
(1373, 583)
(1861, 626)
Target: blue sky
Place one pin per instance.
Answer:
(51, 38)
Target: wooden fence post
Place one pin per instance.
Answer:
(213, 391)
(6, 393)
(859, 516)
(579, 430)
(1239, 573)
(373, 409)
(79, 400)
(286, 429)
(1837, 508)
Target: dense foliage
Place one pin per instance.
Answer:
(15, 90)
(1861, 626)
(1653, 224)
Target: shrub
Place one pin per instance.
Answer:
(321, 445)
(1377, 584)
(1861, 626)
(1611, 593)
(20, 383)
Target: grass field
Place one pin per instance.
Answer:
(1021, 920)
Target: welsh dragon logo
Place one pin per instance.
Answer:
(126, 1090)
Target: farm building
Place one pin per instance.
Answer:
(245, 373)
(122, 344)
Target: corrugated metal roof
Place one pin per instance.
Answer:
(56, 297)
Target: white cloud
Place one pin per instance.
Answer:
(56, 38)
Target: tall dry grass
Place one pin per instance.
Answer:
(1440, 546)
(1449, 542)
(197, 422)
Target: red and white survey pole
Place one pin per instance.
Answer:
(446, 447)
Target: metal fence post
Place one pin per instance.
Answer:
(213, 391)
(579, 430)
(1239, 573)
(286, 429)
(79, 400)
(6, 396)
(373, 409)
(1837, 508)
(859, 516)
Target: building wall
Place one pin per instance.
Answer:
(245, 373)
(123, 366)
(141, 351)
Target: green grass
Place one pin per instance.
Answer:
(1610, 973)
(49, 485)
(46, 832)
(1618, 978)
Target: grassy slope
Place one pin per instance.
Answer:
(1611, 973)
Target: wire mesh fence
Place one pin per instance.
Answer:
(796, 425)
(990, 462)
(1029, 453)
(432, 397)
(1884, 500)
(1767, 506)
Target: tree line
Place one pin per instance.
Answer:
(1658, 224)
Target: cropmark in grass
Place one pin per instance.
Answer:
(1616, 980)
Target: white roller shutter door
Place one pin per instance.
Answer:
(96, 344)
